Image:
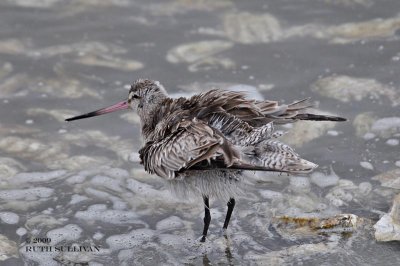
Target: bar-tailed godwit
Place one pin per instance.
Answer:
(203, 143)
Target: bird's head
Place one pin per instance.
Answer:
(144, 93)
(144, 96)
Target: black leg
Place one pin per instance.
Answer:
(231, 205)
(207, 218)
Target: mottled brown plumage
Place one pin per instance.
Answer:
(203, 143)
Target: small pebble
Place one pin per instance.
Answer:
(29, 122)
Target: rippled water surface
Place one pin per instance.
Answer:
(80, 183)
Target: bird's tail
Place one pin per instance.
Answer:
(314, 117)
(276, 155)
(287, 113)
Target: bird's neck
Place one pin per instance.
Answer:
(150, 115)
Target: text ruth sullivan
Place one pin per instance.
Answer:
(62, 248)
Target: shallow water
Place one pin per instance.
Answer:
(81, 184)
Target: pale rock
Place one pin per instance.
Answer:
(8, 248)
(388, 227)
(389, 179)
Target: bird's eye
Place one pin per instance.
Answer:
(133, 96)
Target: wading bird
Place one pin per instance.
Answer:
(203, 143)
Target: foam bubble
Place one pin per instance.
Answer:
(69, 232)
(117, 203)
(76, 198)
(367, 165)
(170, 223)
(117, 173)
(134, 238)
(21, 231)
(300, 183)
(76, 179)
(38, 176)
(105, 181)
(369, 136)
(269, 194)
(100, 212)
(386, 126)
(333, 133)
(9, 217)
(98, 236)
(365, 188)
(392, 142)
(27, 194)
(323, 180)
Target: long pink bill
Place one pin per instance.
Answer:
(118, 106)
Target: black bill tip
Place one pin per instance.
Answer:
(118, 106)
(91, 114)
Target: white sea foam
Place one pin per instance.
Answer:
(386, 126)
(99, 212)
(392, 142)
(70, 232)
(9, 217)
(118, 204)
(367, 165)
(21, 231)
(107, 182)
(134, 238)
(323, 180)
(300, 183)
(76, 198)
(26, 194)
(38, 177)
(172, 222)
(269, 194)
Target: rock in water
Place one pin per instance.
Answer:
(388, 227)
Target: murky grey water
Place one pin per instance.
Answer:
(80, 183)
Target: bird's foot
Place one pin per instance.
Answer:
(203, 239)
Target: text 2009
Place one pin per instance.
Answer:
(36, 240)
